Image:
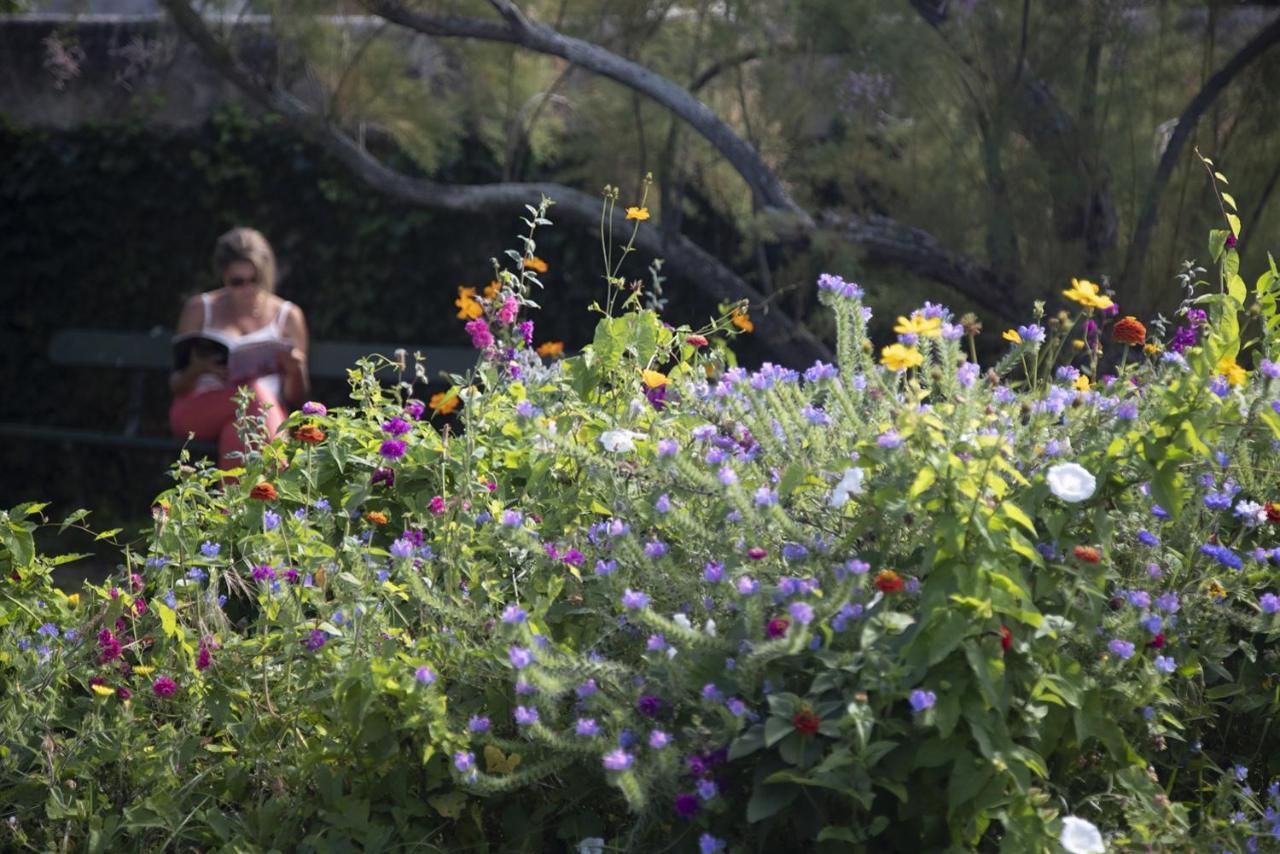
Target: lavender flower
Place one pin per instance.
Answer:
(618, 760)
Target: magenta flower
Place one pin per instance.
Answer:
(311, 407)
(687, 805)
(164, 687)
(384, 476)
(203, 660)
(777, 628)
(436, 505)
(507, 314)
(481, 337)
(397, 426)
(414, 409)
(315, 640)
(392, 449)
(263, 573)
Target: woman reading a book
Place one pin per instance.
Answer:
(241, 334)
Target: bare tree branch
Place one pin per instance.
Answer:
(791, 341)
(1212, 88)
(888, 241)
(519, 30)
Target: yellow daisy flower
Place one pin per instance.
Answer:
(918, 324)
(897, 357)
(1229, 368)
(1087, 294)
(1012, 335)
(640, 214)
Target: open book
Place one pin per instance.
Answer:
(245, 359)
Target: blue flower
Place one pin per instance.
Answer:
(634, 599)
(1222, 555)
(270, 520)
(209, 549)
(425, 675)
(921, 700)
(587, 727)
(713, 572)
(514, 614)
(1122, 649)
(663, 504)
(478, 724)
(1147, 538)
(708, 844)
(526, 716)
(1164, 664)
(520, 656)
(587, 689)
(801, 612)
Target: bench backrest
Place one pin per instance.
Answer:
(151, 351)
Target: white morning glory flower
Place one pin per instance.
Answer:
(1081, 837)
(619, 441)
(850, 484)
(1071, 482)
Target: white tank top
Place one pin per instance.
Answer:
(273, 331)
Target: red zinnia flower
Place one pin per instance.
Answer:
(1157, 642)
(696, 341)
(777, 628)
(1006, 638)
(263, 492)
(309, 433)
(806, 722)
(1088, 554)
(888, 581)
(1129, 331)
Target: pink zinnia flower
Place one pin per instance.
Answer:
(436, 505)
(164, 687)
(481, 337)
(507, 314)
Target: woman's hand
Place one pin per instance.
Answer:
(292, 362)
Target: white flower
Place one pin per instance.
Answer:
(710, 627)
(619, 441)
(1081, 837)
(850, 484)
(682, 620)
(1071, 482)
(591, 845)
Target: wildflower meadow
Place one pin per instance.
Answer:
(641, 598)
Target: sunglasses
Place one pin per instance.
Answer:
(237, 281)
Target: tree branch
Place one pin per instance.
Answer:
(889, 241)
(1256, 47)
(791, 341)
(518, 30)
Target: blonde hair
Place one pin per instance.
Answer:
(247, 244)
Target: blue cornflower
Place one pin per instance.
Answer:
(921, 700)
(1222, 555)
(1122, 649)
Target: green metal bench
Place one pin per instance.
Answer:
(144, 353)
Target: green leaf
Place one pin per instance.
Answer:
(107, 534)
(1229, 199)
(768, 800)
(1016, 513)
(924, 479)
(72, 519)
(168, 619)
(1234, 222)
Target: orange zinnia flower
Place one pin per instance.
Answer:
(440, 406)
(1129, 331)
(468, 308)
(742, 320)
(376, 517)
(536, 264)
(491, 289)
(551, 348)
(309, 433)
(1088, 554)
(888, 581)
(263, 492)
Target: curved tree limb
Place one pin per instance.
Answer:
(791, 341)
(741, 155)
(889, 241)
(1212, 88)
(517, 29)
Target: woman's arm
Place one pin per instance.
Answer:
(296, 384)
(192, 320)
